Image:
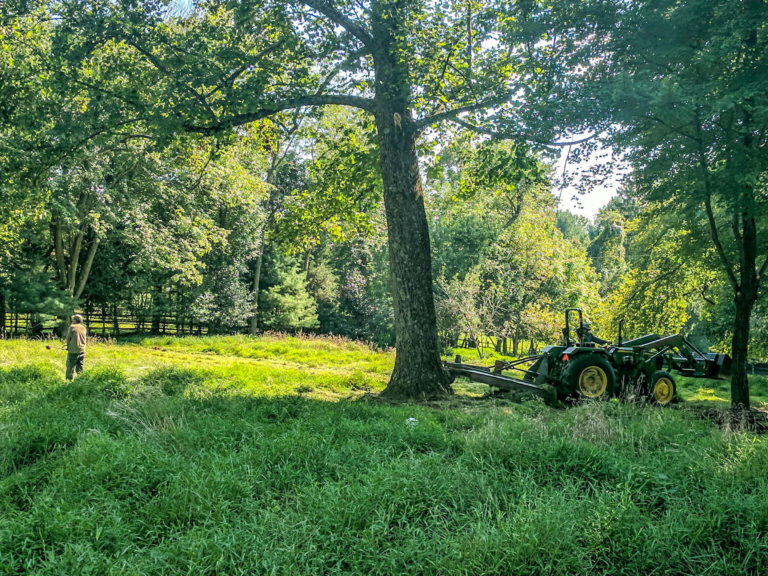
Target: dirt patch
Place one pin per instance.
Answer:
(729, 419)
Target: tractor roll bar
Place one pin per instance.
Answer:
(567, 329)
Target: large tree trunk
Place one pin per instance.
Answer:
(739, 351)
(418, 372)
(745, 299)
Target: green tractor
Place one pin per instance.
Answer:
(584, 366)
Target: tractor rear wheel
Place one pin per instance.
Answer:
(590, 376)
(662, 388)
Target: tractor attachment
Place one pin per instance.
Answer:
(493, 376)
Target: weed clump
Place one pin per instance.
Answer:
(173, 381)
(254, 463)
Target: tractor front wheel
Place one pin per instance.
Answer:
(590, 376)
(662, 388)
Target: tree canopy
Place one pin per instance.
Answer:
(274, 165)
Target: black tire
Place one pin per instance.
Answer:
(662, 388)
(590, 376)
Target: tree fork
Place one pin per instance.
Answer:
(418, 371)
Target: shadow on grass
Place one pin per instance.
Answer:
(109, 472)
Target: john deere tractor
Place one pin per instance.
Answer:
(584, 366)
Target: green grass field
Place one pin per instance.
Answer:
(236, 455)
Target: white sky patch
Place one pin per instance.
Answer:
(580, 191)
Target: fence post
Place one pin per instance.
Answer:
(115, 321)
(2, 316)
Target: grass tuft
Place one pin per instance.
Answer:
(237, 455)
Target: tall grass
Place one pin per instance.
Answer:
(242, 456)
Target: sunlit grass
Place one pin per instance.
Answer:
(235, 455)
(269, 366)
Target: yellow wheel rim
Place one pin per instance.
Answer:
(663, 390)
(593, 382)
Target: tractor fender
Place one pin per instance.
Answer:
(574, 350)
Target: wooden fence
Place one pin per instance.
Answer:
(104, 325)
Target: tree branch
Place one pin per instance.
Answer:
(652, 282)
(229, 81)
(74, 261)
(200, 98)
(452, 114)
(675, 129)
(518, 135)
(336, 16)
(59, 249)
(274, 108)
(763, 270)
(339, 67)
(86, 270)
(715, 235)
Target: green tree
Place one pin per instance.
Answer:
(287, 304)
(682, 87)
(608, 248)
(664, 282)
(410, 64)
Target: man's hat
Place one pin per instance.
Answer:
(77, 319)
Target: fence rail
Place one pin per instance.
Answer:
(112, 326)
(105, 325)
(760, 368)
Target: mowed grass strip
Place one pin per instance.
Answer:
(172, 459)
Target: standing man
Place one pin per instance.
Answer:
(75, 341)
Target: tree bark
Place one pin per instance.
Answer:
(156, 313)
(253, 327)
(739, 351)
(86, 269)
(745, 298)
(58, 243)
(115, 321)
(74, 262)
(2, 316)
(180, 319)
(418, 371)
